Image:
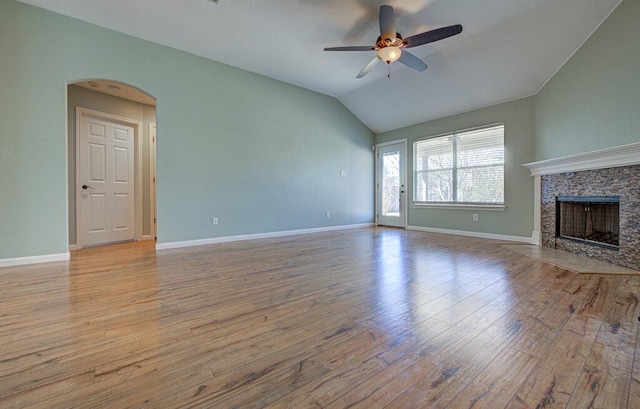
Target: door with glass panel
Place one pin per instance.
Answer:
(391, 184)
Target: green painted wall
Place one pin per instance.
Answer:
(517, 220)
(593, 102)
(259, 154)
(86, 98)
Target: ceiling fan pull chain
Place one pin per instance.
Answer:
(389, 71)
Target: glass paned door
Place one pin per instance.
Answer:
(391, 184)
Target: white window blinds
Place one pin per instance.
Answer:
(465, 167)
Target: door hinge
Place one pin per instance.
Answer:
(377, 216)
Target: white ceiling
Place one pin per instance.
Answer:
(508, 49)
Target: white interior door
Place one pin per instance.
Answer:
(106, 181)
(391, 184)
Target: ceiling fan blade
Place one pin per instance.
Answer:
(351, 48)
(431, 36)
(412, 61)
(367, 68)
(387, 23)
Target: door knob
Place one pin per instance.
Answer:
(85, 187)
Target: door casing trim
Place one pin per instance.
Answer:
(153, 181)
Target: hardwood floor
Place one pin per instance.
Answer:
(366, 318)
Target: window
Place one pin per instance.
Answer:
(460, 168)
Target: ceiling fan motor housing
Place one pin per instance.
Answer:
(397, 42)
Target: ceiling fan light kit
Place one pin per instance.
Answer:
(390, 45)
(389, 54)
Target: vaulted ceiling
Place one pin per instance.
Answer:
(508, 49)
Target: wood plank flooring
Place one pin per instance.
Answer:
(364, 318)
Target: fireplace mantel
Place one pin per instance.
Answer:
(623, 155)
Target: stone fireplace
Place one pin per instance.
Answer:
(589, 204)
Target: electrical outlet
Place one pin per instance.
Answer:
(328, 214)
(215, 221)
(475, 217)
(343, 173)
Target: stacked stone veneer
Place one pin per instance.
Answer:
(623, 182)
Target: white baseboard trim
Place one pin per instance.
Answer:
(21, 261)
(520, 239)
(147, 237)
(535, 238)
(73, 247)
(228, 239)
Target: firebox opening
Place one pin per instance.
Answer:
(591, 220)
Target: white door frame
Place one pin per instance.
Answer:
(137, 127)
(153, 210)
(403, 174)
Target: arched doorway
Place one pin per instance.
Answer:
(111, 163)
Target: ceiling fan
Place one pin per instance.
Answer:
(391, 47)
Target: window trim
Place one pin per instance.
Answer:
(416, 204)
(459, 206)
